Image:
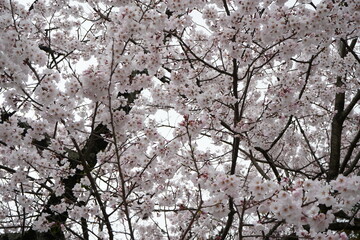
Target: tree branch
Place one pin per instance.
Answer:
(351, 48)
(350, 150)
(350, 107)
(270, 161)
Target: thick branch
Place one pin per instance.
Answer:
(350, 150)
(353, 164)
(351, 48)
(229, 220)
(94, 188)
(270, 161)
(254, 161)
(351, 106)
(337, 125)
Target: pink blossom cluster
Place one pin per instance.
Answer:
(180, 119)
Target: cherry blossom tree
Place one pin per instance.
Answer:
(179, 119)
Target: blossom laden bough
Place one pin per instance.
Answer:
(259, 138)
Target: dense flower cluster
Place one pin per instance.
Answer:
(180, 119)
